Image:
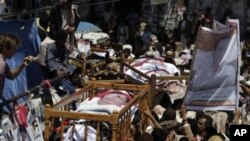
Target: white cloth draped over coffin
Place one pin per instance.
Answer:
(151, 66)
(106, 102)
(77, 133)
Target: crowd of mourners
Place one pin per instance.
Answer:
(131, 37)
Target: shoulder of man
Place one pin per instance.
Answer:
(47, 41)
(50, 45)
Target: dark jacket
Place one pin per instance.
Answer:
(56, 21)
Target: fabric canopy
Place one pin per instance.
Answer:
(26, 30)
(86, 27)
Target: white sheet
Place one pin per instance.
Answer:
(79, 133)
(92, 105)
(151, 66)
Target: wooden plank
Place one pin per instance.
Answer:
(133, 101)
(73, 97)
(114, 118)
(78, 115)
(119, 86)
(172, 78)
(125, 60)
(136, 70)
(133, 80)
(108, 81)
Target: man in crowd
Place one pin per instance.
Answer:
(64, 17)
(57, 57)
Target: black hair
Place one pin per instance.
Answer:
(210, 131)
(127, 51)
(8, 40)
(145, 137)
(209, 120)
(184, 139)
(177, 104)
(2, 44)
(168, 114)
(165, 101)
(117, 47)
(44, 20)
(193, 126)
(160, 134)
(182, 53)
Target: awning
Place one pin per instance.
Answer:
(86, 27)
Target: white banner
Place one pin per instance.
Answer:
(214, 75)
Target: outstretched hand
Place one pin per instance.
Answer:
(27, 60)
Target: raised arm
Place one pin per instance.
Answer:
(187, 129)
(12, 74)
(149, 114)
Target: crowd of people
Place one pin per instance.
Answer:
(165, 122)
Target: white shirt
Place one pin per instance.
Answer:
(2, 8)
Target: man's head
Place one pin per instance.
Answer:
(126, 52)
(204, 122)
(160, 134)
(145, 137)
(169, 114)
(61, 38)
(153, 39)
(8, 44)
(170, 54)
(169, 58)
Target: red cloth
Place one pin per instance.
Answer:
(46, 84)
(22, 115)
